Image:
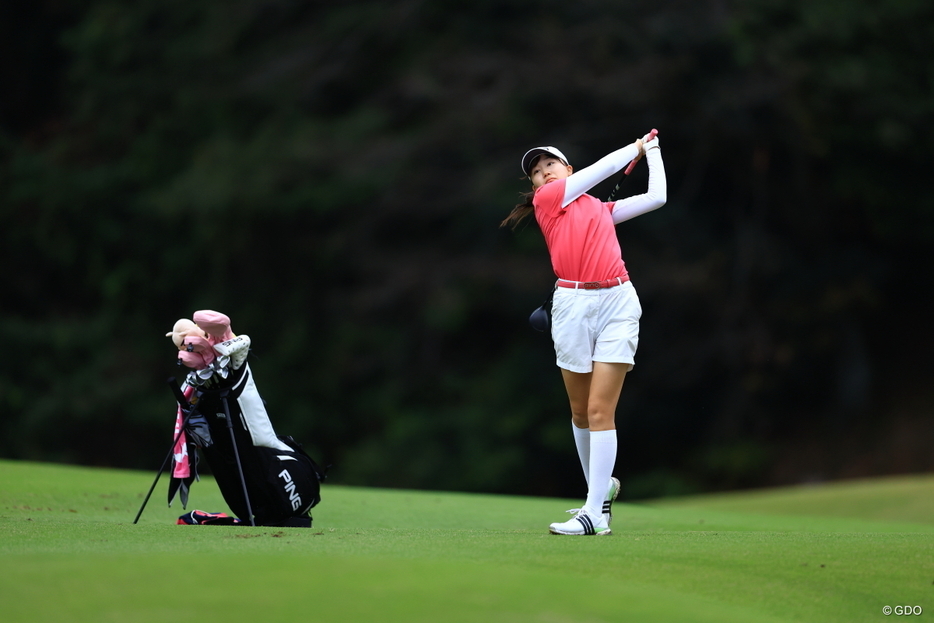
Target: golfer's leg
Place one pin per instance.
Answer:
(577, 385)
(606, 385)
(605, 388)
(578, 388)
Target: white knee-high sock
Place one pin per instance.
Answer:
(582, 441)
(602, 462)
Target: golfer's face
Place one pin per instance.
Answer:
(547, 169)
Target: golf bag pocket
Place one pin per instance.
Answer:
(293, 485)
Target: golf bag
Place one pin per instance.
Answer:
(263, 477)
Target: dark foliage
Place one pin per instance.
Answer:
(332, 176)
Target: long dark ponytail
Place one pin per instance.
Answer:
(519, 212)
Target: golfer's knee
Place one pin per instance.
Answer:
(601, 419)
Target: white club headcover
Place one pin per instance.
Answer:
(237, 349)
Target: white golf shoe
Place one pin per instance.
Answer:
(582, 524)
(611, 494)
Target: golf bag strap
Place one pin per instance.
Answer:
(253, 412)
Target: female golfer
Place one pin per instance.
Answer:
(595, 310)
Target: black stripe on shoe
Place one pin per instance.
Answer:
(607, 506)
(586, 522)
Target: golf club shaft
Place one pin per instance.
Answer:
(639, 157)
(628, 170)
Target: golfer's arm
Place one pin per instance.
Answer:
(585, 179)
(654, 198)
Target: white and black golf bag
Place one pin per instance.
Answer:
(265, 479)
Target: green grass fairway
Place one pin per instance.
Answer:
(69, 553)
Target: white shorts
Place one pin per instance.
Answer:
(595, 325)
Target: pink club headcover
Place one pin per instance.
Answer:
(215, 324)
(201, 354)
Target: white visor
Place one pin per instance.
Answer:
(532, 154)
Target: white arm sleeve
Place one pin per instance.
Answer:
(654, 198)
(585, 179)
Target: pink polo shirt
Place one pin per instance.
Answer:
(581, 238)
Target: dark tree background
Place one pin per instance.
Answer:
(332, 176)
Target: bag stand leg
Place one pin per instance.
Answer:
(233, 440)
(190, 412)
